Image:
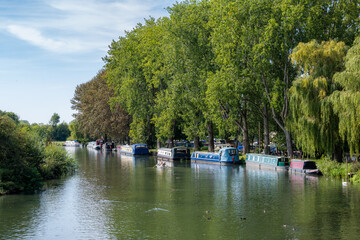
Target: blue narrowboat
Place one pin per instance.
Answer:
(228, 155)
(175, 153)
(304, 167)
(135, 149)
(278, 163)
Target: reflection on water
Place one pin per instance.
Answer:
(120, 197)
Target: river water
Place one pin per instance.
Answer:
(116, 197)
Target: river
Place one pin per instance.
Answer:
(116, 197)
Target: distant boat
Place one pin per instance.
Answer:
(227, 155)
(135, 149)
(304, 167)
(95, 144)
(74, 143)
(280, 163)
(108, 146)
(175, 153)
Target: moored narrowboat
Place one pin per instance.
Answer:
(304, 167)
(108, 146)
(228, 155)
(95, 144)
(135, 149)
(175, 153)
(74, 143)
(278, 163)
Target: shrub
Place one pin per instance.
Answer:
(25, 162)
(57, 162)
(335, 169)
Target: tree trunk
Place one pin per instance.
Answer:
(170, 142)
(288, 143)
(196, 143)
(283, 113)
(266, 131)
(338, 153)
(211, 146)
(246, 145)
(158, 143)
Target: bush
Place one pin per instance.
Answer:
(57, 162)
(331, 168)
(25, 162)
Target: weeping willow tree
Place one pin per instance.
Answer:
(313, 121)
(347, 101)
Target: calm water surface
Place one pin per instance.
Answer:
(116, 197)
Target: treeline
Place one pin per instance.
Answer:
(26, 157)
(229, 68)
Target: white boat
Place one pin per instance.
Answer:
(74, 143)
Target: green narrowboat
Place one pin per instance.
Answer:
(277, 163)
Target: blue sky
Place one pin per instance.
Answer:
(48, 47)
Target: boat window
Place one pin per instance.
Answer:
(181, 150)
(232, 152)
(140, 146)
(309, 165)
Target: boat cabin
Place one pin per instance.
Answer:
(267, 161)
(228, 155)
(175, 153)
(304, 166)
(135, 149)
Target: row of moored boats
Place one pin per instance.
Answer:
(225, 156)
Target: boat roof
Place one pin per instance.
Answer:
(173, 148)
(301, 160)
(205, 152)
(142, 144)
(265, 155)
(225, 148)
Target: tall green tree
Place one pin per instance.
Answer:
(94, 115)
(54, 120)
(190, 62)
(346, 101)
(135, 74)
(313, 121)
(235, 91)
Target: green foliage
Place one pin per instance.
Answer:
(134, 72)
(346, 102)
(313, 121)
(55, 119)
(76, 133)
(242, 158)
(56, 163)
(224, 61)
(334, 169)
(95, 117)
(61, 132)
(22, 153)
(11, 115)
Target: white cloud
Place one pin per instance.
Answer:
(36, 38)
(70, 26)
